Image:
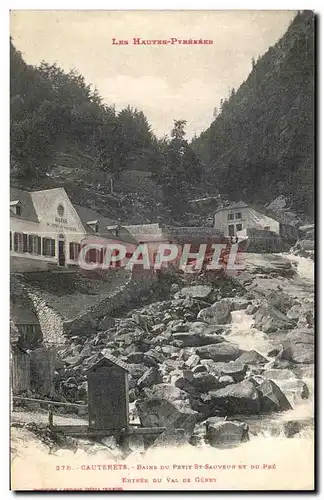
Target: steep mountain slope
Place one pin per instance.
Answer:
(262, 142)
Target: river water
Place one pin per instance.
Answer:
(242, 332)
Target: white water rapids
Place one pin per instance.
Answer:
(247, 337)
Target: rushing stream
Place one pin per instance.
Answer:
(247, 337)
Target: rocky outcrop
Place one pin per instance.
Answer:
(217, 314)
(269, 319)
(197, 292)
(235, 399)
(298, 346)
(173, 415)
(225, 434)
(271, 397)
(191, 339)
(235, 369)
(253, 358)
(219, 352)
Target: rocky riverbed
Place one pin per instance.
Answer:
(226, 360)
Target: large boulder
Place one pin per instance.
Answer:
(280, 300)
(149, 378)
(202, 328)
(271, 397)
(241, 398)
(154, 412)
(307, 245)
(191, 339)
(136, 370)
(219, 352)
(192, 361)
(300, 336)
(298, 346)
(166, 391)
(234, 369)
(275, 374)
(204, 382)
(307, 232)
(299, 353)
(294, 388)
(269, 319)
(196, 292)
(217, 314)
(183, 380)
(269, 264)
(253, 358)
(225, 434)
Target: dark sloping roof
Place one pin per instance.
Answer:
(106, 358)
(87, 215)
(28, 211)
(279, 217)
(192, 234)
(143, 232)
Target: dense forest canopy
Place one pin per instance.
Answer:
(260, 144)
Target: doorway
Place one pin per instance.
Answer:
(61, 253)
(231, 230)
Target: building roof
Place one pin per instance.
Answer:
(106, 358)
(191, 234)
(142, 233)
(89, 216)
(279, 217)
(28, 211)
(232, 206)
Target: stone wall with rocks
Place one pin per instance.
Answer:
(99, 316)
(50, 321)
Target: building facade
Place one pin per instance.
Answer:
(46, 230)
(236, 219)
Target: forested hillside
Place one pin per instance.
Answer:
(261, 144)
(63, 134)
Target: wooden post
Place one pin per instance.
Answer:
(50, 418)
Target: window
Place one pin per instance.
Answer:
(94, 225)
(34, 244)
(15, 207)
(49, 247)
(231, 230)
(230, 217)
(92, 256)
(267, 228)
(10, 240)
(238, 215)
(238, 227)
(74, 250)
(20, 242)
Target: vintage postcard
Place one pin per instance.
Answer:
(162, 250)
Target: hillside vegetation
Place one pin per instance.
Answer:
(261, 144)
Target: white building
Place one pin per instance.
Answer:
(46, 229)
(237, 218)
